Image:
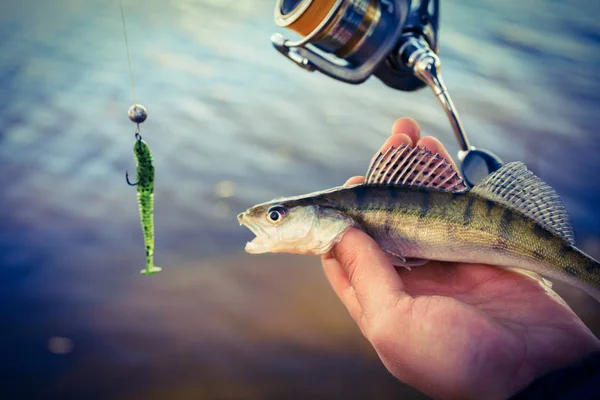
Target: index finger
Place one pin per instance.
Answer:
(375, 281)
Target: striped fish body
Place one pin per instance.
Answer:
(420, 223)
(415, 205)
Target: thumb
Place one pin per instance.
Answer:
(375, 281)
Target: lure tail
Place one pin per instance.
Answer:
(153, 269)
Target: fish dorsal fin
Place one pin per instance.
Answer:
(414, 166)
(518, 188)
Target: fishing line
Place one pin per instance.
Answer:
(128, 57)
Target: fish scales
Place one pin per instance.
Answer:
(462, 224)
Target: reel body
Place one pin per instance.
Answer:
(348, 40)
(394, 40)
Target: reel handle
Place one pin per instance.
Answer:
(416, 54)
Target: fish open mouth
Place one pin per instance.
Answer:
(259, 244)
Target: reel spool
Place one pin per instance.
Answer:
(344, 39)
(394, 40)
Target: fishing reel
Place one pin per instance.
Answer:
(397, 41)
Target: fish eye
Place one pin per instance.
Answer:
(275, 213)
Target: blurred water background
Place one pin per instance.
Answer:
(232, 123)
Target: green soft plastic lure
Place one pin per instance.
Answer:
(145, 195)
(145, 188)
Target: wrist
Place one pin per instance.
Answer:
(573, 354)
(579, 380)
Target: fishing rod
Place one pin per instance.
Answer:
(397, 41)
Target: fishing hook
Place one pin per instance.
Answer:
(128, 182)
(138, 137)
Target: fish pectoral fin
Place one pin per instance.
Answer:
(416, 262)
(398, 260)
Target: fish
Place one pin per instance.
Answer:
(145, 196)
(417, 207)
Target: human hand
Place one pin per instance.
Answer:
(453, 330)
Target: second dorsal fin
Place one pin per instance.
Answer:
(518, 188)
(414, 166)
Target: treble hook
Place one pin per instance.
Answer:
(128, 182)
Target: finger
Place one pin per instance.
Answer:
(375, 281)
(396, 140)
(341, 286)
(436, 146)
(355, 180)
(409, 127)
